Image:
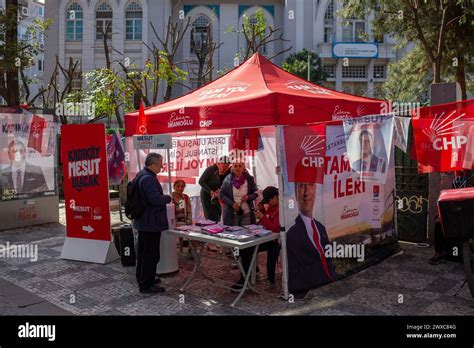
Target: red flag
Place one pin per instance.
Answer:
(444, 137)
(244, 139)
(37, 127)
(141, 122)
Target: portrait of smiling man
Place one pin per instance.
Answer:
(21, 176)
(308, 267)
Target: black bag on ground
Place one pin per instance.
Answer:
(134, 206)
(124, 242)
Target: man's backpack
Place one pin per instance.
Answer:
(134, 206)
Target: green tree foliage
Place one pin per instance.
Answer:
(145, 83)
(17, 55)
(107, 90)
(297, 64)
(441, 29)
(257, 35)
(409, 78)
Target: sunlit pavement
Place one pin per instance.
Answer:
(404, 284)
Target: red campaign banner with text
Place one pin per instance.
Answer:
(86, 186)
(444, 137)
(305, 148)
(35, 139)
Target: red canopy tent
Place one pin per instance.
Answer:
(255, 94)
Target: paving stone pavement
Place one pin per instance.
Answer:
(404, 284)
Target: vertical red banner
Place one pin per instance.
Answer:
(35, 139)
(86, 186)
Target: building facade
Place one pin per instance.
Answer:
(29, 10)
(354, 63)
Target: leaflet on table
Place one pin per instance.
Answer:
(189, 228)
(262, 233)
(237, 237)
(205, 222)
(212, 229)
(234, 228)
(254, 227)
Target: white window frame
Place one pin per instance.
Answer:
(200, 28)
(329, 68)
(104, 8)
(134, 8)
(77, 22)
(353, 30)
(354, 71)
(380, 69)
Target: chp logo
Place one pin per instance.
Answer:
(313, 148)
(204, 114)
(376, 191)
(443, 134)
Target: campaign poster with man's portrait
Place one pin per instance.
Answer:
(320, 210)
(27, 155)
(368, 142)
(303, 163)
(400, 132)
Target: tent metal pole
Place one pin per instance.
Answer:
(281, 208)
(138, 160)
(169, 170)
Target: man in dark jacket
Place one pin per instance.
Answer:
(368, 162)
(210, 182)
(21, 176)
(308, 266)
(151, 223)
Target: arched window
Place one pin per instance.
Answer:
(103, 20)
(74, 22)
(133, 15)
(200, 32)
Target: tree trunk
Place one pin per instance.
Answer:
(12, 83)
(200, 75)
(118, 117)
(437, 71)
(168, 92)
(461, 77)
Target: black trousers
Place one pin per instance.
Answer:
(273, 251)
(147, 258)
(212, 209)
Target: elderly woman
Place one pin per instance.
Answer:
(238, 192)
(182, 204)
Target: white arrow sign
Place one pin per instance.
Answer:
(87, 228)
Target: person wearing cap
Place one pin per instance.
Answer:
(211, 181)
(308, 266)
(270, 220)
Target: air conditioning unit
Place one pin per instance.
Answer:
(24, 11)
